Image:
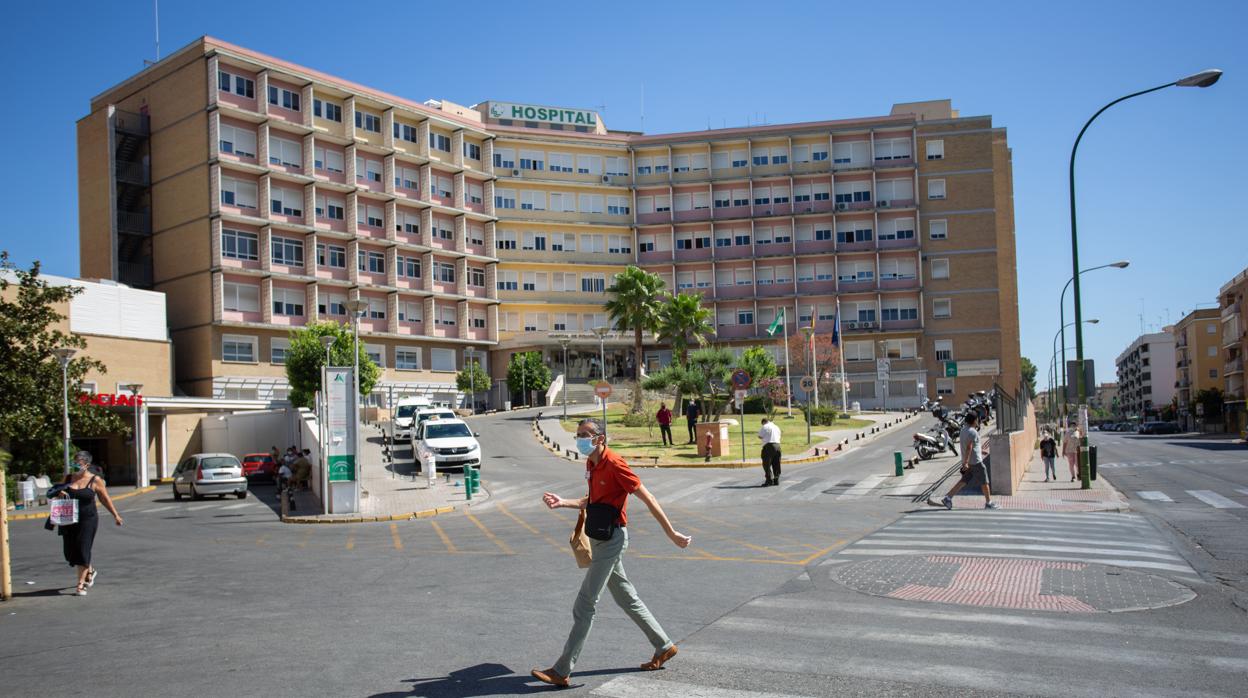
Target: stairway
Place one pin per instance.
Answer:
(578, 394)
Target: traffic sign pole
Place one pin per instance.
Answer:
(603, 391)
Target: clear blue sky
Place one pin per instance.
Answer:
(1161, 178)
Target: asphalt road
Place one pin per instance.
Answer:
(217, 598)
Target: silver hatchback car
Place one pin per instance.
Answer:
(209, 473)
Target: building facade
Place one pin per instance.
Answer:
(1105, 397)
(1234, 346)
(262, 195)
(1197, 360)
(1146, 375)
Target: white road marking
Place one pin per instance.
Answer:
(864, 486)
(641, 687)
(240, 505)
(197, 507)
(156, 509)
(1154, 496)
(911, 483)
(1117, 562)
(873, 541)
(813, 492)
(1026, 537)
(1214, 499)
(1242, 490)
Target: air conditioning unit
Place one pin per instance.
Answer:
(842, 206)
(515, 173)
(851, 325)
(605, 178)
(867, 325)
(883, 204)
(809, 209)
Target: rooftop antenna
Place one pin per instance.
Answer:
(643, 107)
(156, 5)
(1141, 316)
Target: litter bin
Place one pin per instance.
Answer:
(1092, 462)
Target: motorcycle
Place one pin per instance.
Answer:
(936, 440)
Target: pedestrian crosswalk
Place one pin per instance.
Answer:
(1118, 539)
(707, 488)
(813, 641)
(1206, 497)
(209, 508)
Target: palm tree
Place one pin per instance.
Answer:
(636, 297)
(684, 321)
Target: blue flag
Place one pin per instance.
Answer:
(836, 328)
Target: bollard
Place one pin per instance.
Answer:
(468, 482)
(898, 465)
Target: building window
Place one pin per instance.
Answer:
(281, 97)
(287, 202)
(278, 346)
(1211, 329)
(287, 301)
(508, 281)
(243, 87)
(367, 121)
(618, 206)
(444, 272)
(407, 359)
(372, 262)
(944, 386)
(476, 193)
(237, 141)
(408, 267)
(334, 209)
(327, 110)
(505, 240)
(745, 317)
(505, 158)
(476, 277)
(331, 304)
(445, 316)
(377, 353)
(942, 308)
(238, 297)
(238, 244)
(504, 198)
(288, 251)
(935, 189)
(377, 309)
(478, 319)
(593, 283)
(237, 192)
(1213, 373)
(940, 268)
(238, 349)
(935, 150)
(410, 311)
(472, 151)
(368, 214)
(331, 256)
(442, 359)
(938, 229)
(438, 141)
(328, 160)
(944, 350)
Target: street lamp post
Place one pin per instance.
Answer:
(1204, 78)
(356, 307)
(602, 357)
(1123, 264)
(63, 355)
(135, 389)
(883, 345)
(563, 342)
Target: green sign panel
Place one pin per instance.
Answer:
(951, 369)
(549, 115)
(342, 468)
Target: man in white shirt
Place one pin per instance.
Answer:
(769, 434)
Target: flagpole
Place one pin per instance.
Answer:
(844, 391)
(814, 359)
(788, 382)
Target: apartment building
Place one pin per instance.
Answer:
(262, 195)
(1234, 347)
(1198, 359)
(1146, 375)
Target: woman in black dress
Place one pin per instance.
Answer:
(83, 485)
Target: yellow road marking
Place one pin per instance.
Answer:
(815, 555)
(350, 541)
(507, 512)
(306, 535)
(446, 540)
(490, 534)
(704, 517)
(261, 540)
(394, 535)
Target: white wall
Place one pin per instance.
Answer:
(252, 432)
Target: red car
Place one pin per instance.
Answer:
(259, 465)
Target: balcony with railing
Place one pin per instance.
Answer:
(907, 324)
(653, 218)
(695, 254)
(784, 209)
(809, 288)
(777, 289)
(853, 284)
(897, 161)
(900, 281)
(733, 252)
(696, 214)
(773, 249)
(132, 173)
(1233, 366)
(735, 331)
(815, 246)
(654, 256)
(448, 331)
(735, 291)
(909, 242)
(889, 204)
(856, 246)
(1230, 310)
(727, 212)
(134, 222)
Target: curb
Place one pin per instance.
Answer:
(44, 515)
(408, 516)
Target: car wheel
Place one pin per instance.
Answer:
(177, 496)
(242, 494)
(195, 495)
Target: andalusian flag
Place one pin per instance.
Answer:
(776, 324)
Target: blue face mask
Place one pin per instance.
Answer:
(585, 445)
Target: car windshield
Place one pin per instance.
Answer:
(260, 459)
(219, 462)
(439, 415)
(445, 431)
(407, 410)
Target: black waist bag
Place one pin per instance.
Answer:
(600, 520)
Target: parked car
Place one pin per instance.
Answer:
(259, 465)
(209, 473)
(419, 417)
(446, 443)
(1159, 428)
(404, 416)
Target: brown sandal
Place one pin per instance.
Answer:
(550, 676)
(659, 659)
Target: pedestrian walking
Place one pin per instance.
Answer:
(974, 465)
(769, 434)
(664, 418)
(606, 523)
(1070, 449)
(692, 412)
(77, 539)
(1048, 452)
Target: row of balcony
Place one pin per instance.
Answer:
(726, 213)
(759, 330)
(708, 253)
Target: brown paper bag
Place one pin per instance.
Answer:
(580, 543)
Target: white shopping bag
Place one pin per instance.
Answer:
(63, 511)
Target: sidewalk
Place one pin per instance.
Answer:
(391, 491)
(1034, 494)
(822, 442)
(41, 512)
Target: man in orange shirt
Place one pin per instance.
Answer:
(610, 482)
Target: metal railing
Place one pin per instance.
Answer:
(1010, 408)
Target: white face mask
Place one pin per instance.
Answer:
(585, 445)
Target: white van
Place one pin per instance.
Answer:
(446, 443)
(405, 414)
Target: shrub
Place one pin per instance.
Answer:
(636, 420)
(820, 416)
(758, 404)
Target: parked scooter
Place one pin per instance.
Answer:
(936, 440)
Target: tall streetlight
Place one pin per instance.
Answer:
(135, 389)
(1205, 78)
(602, 357)
(357, 307)
(472, 379)
(1123, 264)
(563, 342)
(883, 345)
(63, 355)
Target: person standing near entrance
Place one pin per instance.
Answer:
(769, 434)
(974, 466)
(664, 418)
(78, 539)
(692, 412)
(610, 482)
